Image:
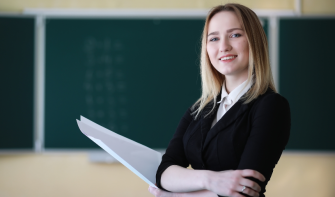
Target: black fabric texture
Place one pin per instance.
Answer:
(249, 136)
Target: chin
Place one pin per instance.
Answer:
(226, 72)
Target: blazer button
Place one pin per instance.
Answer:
(203, 166)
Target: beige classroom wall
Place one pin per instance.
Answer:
(72, 175)
(307, 6)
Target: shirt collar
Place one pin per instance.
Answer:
(237, 93)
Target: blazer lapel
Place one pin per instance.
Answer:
(207, 120)
(234, 112)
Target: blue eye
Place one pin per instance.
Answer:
(213, 39)
(235, 35)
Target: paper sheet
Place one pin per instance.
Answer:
(138, 158)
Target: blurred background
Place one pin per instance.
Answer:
(120, 63)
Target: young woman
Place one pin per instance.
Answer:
(234, 135)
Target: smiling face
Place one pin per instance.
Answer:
(227, 45)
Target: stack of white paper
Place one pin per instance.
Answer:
(138, 158)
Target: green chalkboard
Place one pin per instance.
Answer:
(307, 68)
(16, 82)
(136, 77)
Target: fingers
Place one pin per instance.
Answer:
(153, 191)
(231, 183)
(159, 193)
(253, 173)
(237, 195)
(248, 191)
(251, 184)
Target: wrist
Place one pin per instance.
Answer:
(206, 179)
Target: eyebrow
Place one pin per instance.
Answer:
(228, 31)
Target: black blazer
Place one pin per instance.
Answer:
(248, 136)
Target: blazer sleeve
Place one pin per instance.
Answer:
(175, 154)
(270, 130)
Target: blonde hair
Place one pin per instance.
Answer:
(259, 66)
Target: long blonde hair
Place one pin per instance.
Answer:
(259, 69)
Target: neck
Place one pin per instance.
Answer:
(232, 82)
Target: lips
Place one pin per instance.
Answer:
(227, 58)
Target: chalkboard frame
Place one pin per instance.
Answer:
(40, 17)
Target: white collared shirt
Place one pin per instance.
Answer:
(228, 100)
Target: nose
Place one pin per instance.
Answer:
(225, 45)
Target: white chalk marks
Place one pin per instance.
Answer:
(105, 83)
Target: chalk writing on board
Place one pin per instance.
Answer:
(104, 83)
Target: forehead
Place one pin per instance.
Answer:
(223, 20)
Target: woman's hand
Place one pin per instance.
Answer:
(160, 193)
(231, 182)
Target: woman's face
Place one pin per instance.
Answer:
(227, 45)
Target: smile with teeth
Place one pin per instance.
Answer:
(229, 57)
